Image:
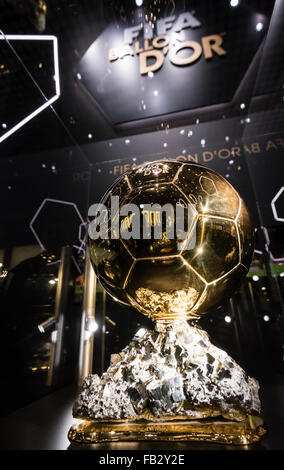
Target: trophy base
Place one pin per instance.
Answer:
(215, 430)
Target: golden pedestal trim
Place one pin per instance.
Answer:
(208, 430)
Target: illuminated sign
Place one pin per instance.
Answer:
(170, 24)
(181, 62)
(169, 40)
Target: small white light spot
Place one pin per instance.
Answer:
(90, 136)
(227, 138)
(79, 76)
(156, 93)
(43, 165)
(4, 125)
(259, 26)
(255, 278)
(184, 151)
(92, 326)
(266, 317)
(227, 319)
(139, 3)
(140, 333)
(231, 162)
(181, 131)
(227, 175)
(189, 134)
(110, 144)
(127, 141)
(165, 144)
(150, 74)
(9, 187)
(242, 105)
(234, 3)
(282, 274)
(203, 142)
(53, 336)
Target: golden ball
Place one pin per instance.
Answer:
(183, 246)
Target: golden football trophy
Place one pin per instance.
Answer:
(171, 383)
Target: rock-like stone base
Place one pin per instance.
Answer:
(173, 371)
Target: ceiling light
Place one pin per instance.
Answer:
(259, 26)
